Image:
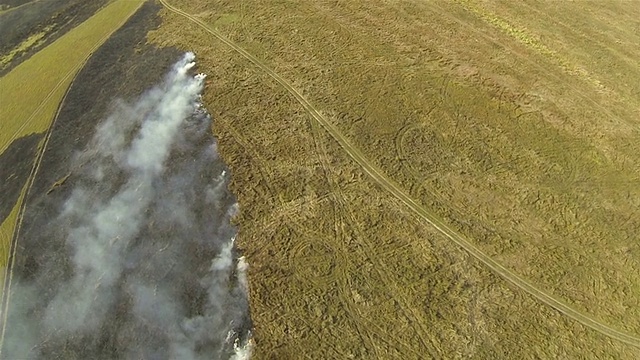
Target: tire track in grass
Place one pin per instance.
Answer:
(380, 267)
(339, 224)
(390, 186)
(443, 12)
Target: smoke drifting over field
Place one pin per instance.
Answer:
(147, 268)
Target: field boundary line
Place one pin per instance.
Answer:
(5, 295)
(378, 176)
(53, 90)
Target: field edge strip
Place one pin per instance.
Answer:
(8, 271)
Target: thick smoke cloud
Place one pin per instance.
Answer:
(148, 269)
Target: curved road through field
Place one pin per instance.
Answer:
(390, 186)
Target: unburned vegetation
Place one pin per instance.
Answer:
(31, 94)
(528, 160)
(29, 26)
(505, 122)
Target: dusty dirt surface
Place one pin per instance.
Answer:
(504, 123)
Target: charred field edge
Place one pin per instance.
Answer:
(102, 80)
(122, 69)
(54, 17)
(15, 166)
(124, 56)
(105, 77)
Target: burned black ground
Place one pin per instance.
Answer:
(54, 17)
(15, 165)
(104, 78)
(107, 76)
(123, 68)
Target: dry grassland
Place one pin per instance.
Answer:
(516, 125)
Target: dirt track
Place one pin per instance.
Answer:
(377, 174)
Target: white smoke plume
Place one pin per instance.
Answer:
(146, 266)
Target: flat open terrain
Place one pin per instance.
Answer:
(449, 179)
(31, 94)
(30, 26)
(417, 179)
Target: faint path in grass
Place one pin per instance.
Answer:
(389, 185)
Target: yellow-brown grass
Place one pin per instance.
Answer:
(506, 121)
